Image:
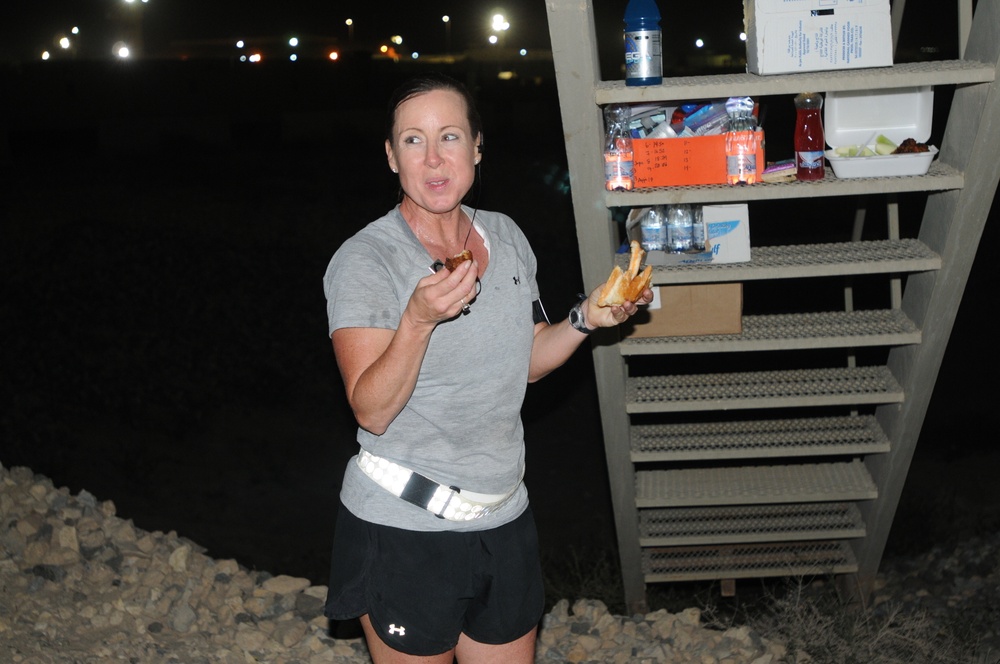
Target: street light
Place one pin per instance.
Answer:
(498, 26)
(447, 33)
(350, 30)
(131, 25)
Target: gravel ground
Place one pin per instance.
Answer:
(80, 584)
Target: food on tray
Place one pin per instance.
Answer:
(910, 146)
(626, 285)
(882, 146)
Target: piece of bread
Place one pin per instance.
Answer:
(457, 260)
(614, 289)
(626, 285)
(639, 284)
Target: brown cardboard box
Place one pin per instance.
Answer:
(690, 310)
(667, 162)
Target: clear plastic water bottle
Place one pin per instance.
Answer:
(619, 167)
(654, 230)
(643, 43)
(679, 228)
(697, 229)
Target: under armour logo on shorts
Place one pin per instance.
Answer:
(397, 630)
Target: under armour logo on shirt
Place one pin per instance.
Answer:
(397, 630)
(517, 281)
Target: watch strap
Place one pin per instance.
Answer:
(578, 320)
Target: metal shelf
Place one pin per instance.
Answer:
(754, 485)
(757, 439)
(834, 329)
(832, 259)
(940, 177)
(940, 72)
(747, 561)
(695, 526)
(762, 389)
(730, 523)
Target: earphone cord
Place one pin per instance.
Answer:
(475, 210)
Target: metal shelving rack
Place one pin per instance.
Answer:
(789, 471)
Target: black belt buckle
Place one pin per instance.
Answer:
(420, 490)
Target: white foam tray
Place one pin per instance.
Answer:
(881, 165)
(856, 117)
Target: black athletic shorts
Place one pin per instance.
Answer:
(422, 589)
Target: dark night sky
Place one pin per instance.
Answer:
(28, 27)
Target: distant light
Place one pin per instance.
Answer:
(122, 52)
(445, 18)
(500, 23)
(505, 75)
(293, 57)
(293, 42)
(334, 55)
(75, 30)
(46, 55)
(243, 58)
(349, 21)
(523, 51)
(414, 55)
(494, 39)
(396, 39)
(383, 49)
(699, 42)
(743, 36)
(64, 43)
(255, 57)
(240, 44)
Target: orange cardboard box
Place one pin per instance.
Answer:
(669, 162)
(691, 310)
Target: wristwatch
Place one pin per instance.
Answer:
(577, 320)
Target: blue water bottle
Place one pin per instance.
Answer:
(643, 50)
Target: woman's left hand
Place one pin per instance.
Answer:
(598, 316)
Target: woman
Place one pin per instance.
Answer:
(435, 547)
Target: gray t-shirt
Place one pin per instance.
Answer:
(462, 424)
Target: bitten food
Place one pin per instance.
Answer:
(457, 260)
(626, 285)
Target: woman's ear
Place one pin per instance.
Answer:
(391, 157)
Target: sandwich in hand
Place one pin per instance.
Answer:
(626, 285)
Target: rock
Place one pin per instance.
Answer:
(80, 580)
(285, 584)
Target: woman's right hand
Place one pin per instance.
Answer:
(441, 296)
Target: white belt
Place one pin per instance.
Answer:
(446, 502)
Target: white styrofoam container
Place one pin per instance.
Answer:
(787, 36)
(857, 117)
